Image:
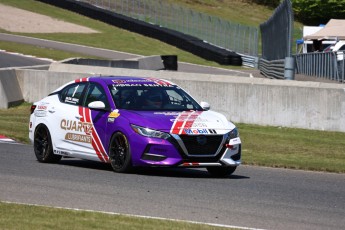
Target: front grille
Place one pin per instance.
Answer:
(202, 145)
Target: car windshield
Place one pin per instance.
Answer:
(152, 98)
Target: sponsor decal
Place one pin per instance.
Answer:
(71, 100)
(42, 107)
(195, 131)
(113, 115)
(235, 141)
(167, 113)
(61, 152)
(40, 113)
(77, 126)
(96, 142)
(142, 82)
(78, 137)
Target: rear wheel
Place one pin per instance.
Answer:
(119, 153)
(43, 146)
(221, 171)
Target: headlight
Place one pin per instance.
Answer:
(234, 133)
(149, 132)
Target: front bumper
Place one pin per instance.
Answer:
(180, 152)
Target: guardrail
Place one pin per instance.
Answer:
(272, 69)
(250, 61)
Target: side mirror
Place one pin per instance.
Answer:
(205, 105)
(96, 105)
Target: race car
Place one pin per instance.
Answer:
(131, 122)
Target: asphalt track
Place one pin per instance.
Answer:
(109, 54)
(15, 60)
(254, 197)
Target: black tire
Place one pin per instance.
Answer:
(43, 146)
(120, 153)
(221, 171)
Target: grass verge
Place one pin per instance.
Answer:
(262, 145)
(15, 216)
(39, 51)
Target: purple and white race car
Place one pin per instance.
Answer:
(130, 122)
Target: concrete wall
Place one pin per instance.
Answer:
(308, 105)
(10, 93)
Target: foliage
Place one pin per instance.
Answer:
(315, 12)
(272, 3)
(311, 12)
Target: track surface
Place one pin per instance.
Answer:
(14, 60)
(252, 197)
(111, 54)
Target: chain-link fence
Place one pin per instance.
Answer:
(232, 36)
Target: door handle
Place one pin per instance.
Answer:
(52, 110)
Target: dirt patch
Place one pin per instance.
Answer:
(21, 21)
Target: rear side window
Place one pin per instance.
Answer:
(72, 94)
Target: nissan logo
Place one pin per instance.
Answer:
(202, 140)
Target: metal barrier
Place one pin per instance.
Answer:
(232, 36)
(272, 69)
(328, 65)
(250, 61)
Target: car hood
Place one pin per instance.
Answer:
(186, 122)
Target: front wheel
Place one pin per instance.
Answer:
(43, 146)
(221, 171)
(119, 153)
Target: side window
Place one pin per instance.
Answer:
(72, 94)
(342, 48)
(178, 99)
(96, 92)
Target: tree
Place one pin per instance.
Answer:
(315, 12)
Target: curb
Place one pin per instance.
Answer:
(4, 139)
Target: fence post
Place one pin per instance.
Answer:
(289, 68)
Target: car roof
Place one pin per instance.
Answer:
(118, 80)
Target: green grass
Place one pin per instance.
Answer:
(15, 216)
(14, 122)
(262, 145)
(293, 148)
(39, 51)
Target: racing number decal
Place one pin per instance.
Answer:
(96, 143)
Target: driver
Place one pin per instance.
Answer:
(154, 99)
